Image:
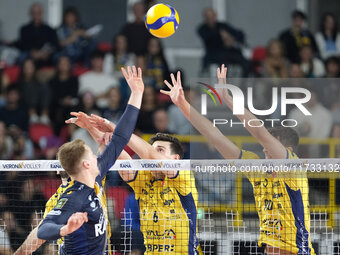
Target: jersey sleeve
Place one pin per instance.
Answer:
(119, 140)
(138, 182)
(183, 182)
(249, 155)
(67, 205)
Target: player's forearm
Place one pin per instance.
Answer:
(258, 131)
(50, 231)
(31, 244)
(135, 99)
(120, 138)
(96, 135)
(143, 149)
(224, 146)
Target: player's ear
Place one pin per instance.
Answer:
(176, 156)
(86, 164)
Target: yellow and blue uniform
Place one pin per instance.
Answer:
(282, 204)
(168, 212)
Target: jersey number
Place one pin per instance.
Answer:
(155, 217)
(268, 204)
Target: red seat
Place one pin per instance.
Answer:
(104, 47)
(12, 73)
(259, 53)
(36, 131)
(79, 70)
(119, 195)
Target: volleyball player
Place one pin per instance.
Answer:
(80, 215)
(167, 199)
(281, 200)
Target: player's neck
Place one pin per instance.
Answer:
(86, 179)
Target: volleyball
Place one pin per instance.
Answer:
(162, 20)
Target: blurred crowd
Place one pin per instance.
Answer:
(47, 73)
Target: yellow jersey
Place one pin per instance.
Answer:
(168, 212)
(282, 204)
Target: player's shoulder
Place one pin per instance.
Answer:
(291, 155)
(76, 190)
(248, 155)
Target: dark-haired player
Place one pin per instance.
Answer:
(167, 199)
(281, 200)
(80, 215)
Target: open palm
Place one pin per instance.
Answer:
(176, 92)
(134, 78)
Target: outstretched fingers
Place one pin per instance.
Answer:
(165, 92)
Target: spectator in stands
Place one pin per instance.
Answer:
(316, 126)
(135, 32)
(160, 121)
(156, 64)
(295, 71)
(96, 81)
(210, 33)
(13, 113)
(75, 42)
(332, 67)
(275, 65)
(115, 108)
(6, 143)
(31, 201)
(4, 82)
(14, 231)
(22, 146)
(231, 55)
(64, 88)
(295, 37)
(328, 39)
(36, 96)
(178, 123)
(119, 57)
(149, 106)
(38, 40)
(310, 65)
(88, 104)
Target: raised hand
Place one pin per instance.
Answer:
(102, 124)
(73, 223)
(222, 80)
(80, 119)
(134, 79)
(176, 92)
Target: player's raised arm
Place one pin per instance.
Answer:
(127, 122)
(268, 142)
(143, 149)
(224, 146)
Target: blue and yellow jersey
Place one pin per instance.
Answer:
(168, 212)
(282, 204)
(52, 202)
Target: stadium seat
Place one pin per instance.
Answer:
(12, 73)
(259, 53)
(104, 47)
(79, 70)
(36, 131)
(119, 195)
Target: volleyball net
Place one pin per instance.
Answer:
(288, 204)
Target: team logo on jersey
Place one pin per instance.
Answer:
(61, 203)
(167, 234)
